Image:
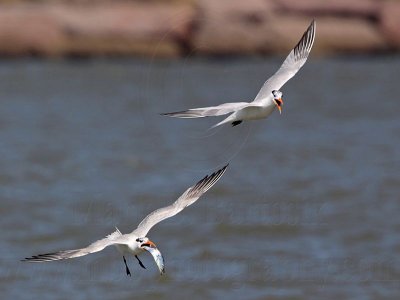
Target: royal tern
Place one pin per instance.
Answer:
(136, 242)
(269, 95)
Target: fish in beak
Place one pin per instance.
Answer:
(158, 258)
(279, 104)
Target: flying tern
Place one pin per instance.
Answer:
(268, 98)
(137, 242)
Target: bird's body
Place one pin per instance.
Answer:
(136, 242)
(251, 113)
(266, 101)
(129, 248)
(126, 243)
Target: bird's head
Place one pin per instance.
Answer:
(145, 244)
(278, 99)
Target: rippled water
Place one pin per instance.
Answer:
(308, 209)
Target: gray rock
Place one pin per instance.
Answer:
(390, 23)
(345, 8)
(232, 27)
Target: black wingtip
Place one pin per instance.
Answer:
(35, 258)
(29, 259)
(313, 23)
(236, 123)
(220, 171)
(173, 114)
(209, 180)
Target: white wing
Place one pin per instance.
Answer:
(211, 111)
(292, 64)
(97, 246)
(188, 197)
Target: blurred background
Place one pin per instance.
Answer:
(176, 28)
(309, 207)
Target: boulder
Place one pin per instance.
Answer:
(348, 35)
(286, 31)
(200, 27)
(126, 28)
(27, 30)
(344, 8)
(232, 27)
(390, 23)
(104, 29)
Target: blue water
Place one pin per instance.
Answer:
(308, 209)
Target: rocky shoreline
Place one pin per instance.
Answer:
(175, 28)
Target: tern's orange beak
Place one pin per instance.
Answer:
(149, 244)
(279, 104)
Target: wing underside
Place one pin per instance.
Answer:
(187, 198)
(112, 239)
(292, 64)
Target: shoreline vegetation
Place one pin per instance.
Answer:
(184, 28)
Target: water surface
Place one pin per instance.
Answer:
(308, 209)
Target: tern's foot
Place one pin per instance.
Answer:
(128, 272)
(140, 262)
(235, 123)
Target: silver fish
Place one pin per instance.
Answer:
(157, 257)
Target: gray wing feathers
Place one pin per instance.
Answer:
(292, 64)
(65, 254)
(188, 197)
(54, 256)
(211, 111)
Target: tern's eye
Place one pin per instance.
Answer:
(276, 94)
(139, 240)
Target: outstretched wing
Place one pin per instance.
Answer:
(292, 64)
(188, 197)
(97, 246)
(211, 111)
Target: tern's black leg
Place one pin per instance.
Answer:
(127, 269)
(140, 263)
(235, 123)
